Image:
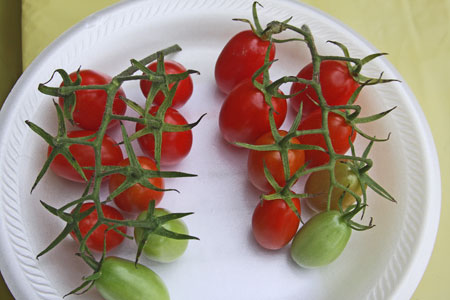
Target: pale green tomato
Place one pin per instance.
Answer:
(160, 248)
(121, 279)
(321, 240)
(319, 183)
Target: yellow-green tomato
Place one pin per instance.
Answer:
(321, 240)
(121, 279)
(160, 248)
(319, 183)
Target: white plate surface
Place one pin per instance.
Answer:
(386, 262)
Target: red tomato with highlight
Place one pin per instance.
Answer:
(111, 155)
(184, 89)
(337, 84)
(241, 57)
(340, 132)
(137, 197)
(274, 223)
(272, 159)
(90, 104)
(244, 115)
(175, 145)
(96, 239)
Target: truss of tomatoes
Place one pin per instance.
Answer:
(251, 116)
(88, 115)
(95, 103)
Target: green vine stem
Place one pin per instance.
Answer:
(134, 173)
(266, 34)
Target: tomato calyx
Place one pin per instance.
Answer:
(161, 80)
(348, 215)
(351, 115)
(284, 192)
(60, 145)
(156, 126)
(355, 69)
(154, 225)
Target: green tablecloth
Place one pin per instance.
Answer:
(415, 33)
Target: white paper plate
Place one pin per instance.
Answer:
(386, 262)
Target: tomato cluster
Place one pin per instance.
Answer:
(323, 95)
(245, 118)
(88, 115)
(95, 104)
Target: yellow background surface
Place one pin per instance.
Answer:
(415, 33)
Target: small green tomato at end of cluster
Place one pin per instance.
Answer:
(160, 248)
(321, 240)
(123, 279)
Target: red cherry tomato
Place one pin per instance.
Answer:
(337, 84)
(175, 145)
(273, 162)
(339, 129)
(95, 240)
(184, 88)
(137, 197)
(111, 155)
(274, 223)
(244, 115)
(240, 58)
(90, 104)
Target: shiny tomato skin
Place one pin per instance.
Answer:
(185, 87)
(241, 57)
(136, 198)
(273, 162)
(339, 129)
(175, 145)
(274, 223)
(111, 155)
(121, 279)
(95, 240)
(336, 81)
(90, 104)
(244, 115)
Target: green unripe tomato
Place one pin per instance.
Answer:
(321, 240)
(121, 279)
(319, 183)
(160, 248)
